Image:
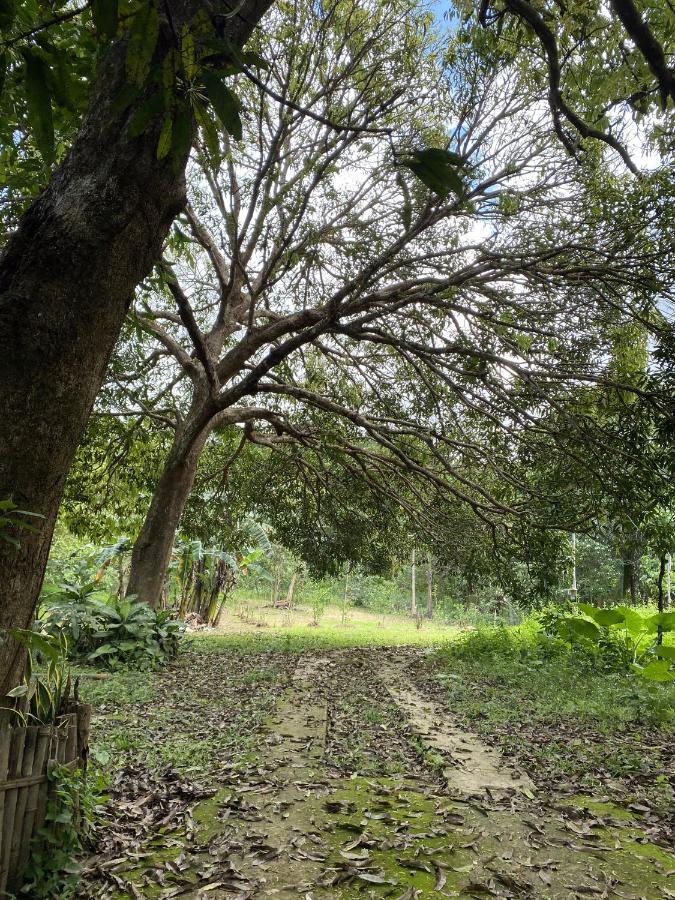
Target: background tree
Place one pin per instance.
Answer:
(266, 238)
(70, 266)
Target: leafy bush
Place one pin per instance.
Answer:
(113, 631)
(319, 595)
(41, 698)
(623, 639)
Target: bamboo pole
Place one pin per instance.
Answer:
(5, 743)
(43, 793)
(27, 769)
(32, 822)
(17, 743)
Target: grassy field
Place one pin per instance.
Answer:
(565, 718)
(297, 628)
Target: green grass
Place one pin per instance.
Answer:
(558, 711)
(521, 669)
(267, 630)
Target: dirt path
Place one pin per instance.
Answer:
(365, 787)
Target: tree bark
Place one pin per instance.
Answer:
(430, 587)
(629, 582)
(66, 279)
(669, 572)
(152, 550)
(662, 572)
(291, 589)
(413, 586)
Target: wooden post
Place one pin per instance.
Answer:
(27, 769)
(5, 742)
(17, 743)
(345, 596)
(32, 821)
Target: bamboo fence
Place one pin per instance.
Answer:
(27, 753)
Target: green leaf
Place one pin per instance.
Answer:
(575, 626)
(35, 641)
(658, 670)
(19, 691)
(187, 52)
(251, 58)
(224, 55)
(666, 621)
(164, 142)
(142, 42)
(103, 650)
(3, 71)
(39, 103)
(105, 13)
(633, 622)
(124, 99)
(7, 13)
(603, 617)
(210, 132)
(224, 102)
(437, 169)
(666, 653)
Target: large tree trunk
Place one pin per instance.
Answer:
(66, 278)
(152, 550)
(630, 580)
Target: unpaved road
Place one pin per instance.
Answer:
(363, 786)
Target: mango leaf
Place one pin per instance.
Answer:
(164, 142)
(576, 626)
(105, 14)
(142, 42)
(39, 101)
(437, 169)
(224, 102)
(603, 617)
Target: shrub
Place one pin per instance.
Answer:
(623, 639)
(114, 631)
